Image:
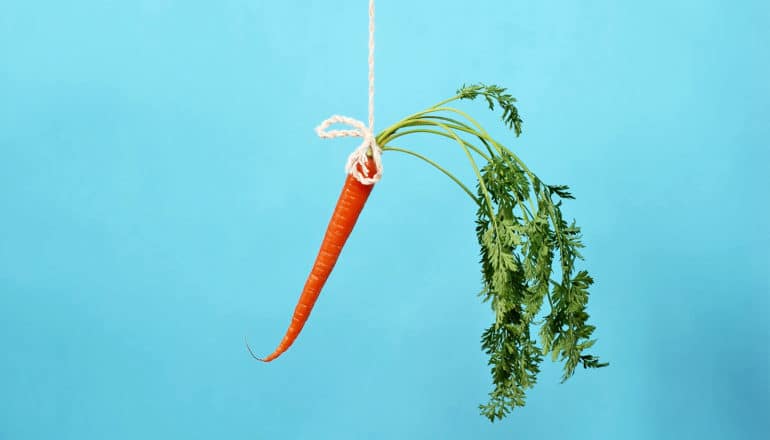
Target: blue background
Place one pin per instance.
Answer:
(163, 194)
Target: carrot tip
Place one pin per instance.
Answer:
(251, 352)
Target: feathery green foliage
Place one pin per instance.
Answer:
(494, 94)
(524, 242)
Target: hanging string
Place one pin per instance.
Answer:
(371, 66)
(356, 164)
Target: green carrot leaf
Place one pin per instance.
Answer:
(494, 94)
(524, 243)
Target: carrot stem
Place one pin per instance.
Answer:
(476, 149)
(437, 166)
(482, 185)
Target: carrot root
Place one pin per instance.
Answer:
(349, 205)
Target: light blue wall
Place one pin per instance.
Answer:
(163, 194)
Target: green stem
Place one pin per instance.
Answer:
(456, 125)
(486, 135)
(463, 127)
(476, 149)
(482, 185)
(390, 130)
(483, 135)
(481, 132)
(425, 118)
(437, 166)
(447, 101)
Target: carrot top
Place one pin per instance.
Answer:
(521, 231)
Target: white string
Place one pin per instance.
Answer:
(359, 155)
(371, 65)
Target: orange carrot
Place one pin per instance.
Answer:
(349, 205)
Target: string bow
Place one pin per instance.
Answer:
(356, 164)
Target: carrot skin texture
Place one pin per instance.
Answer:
(349, 206)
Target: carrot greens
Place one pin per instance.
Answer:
(528, 250)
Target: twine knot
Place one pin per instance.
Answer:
(356, 164)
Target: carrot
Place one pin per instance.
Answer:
(349, 205)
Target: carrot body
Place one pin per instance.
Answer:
(349, 205)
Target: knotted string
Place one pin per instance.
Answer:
(356, 164)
